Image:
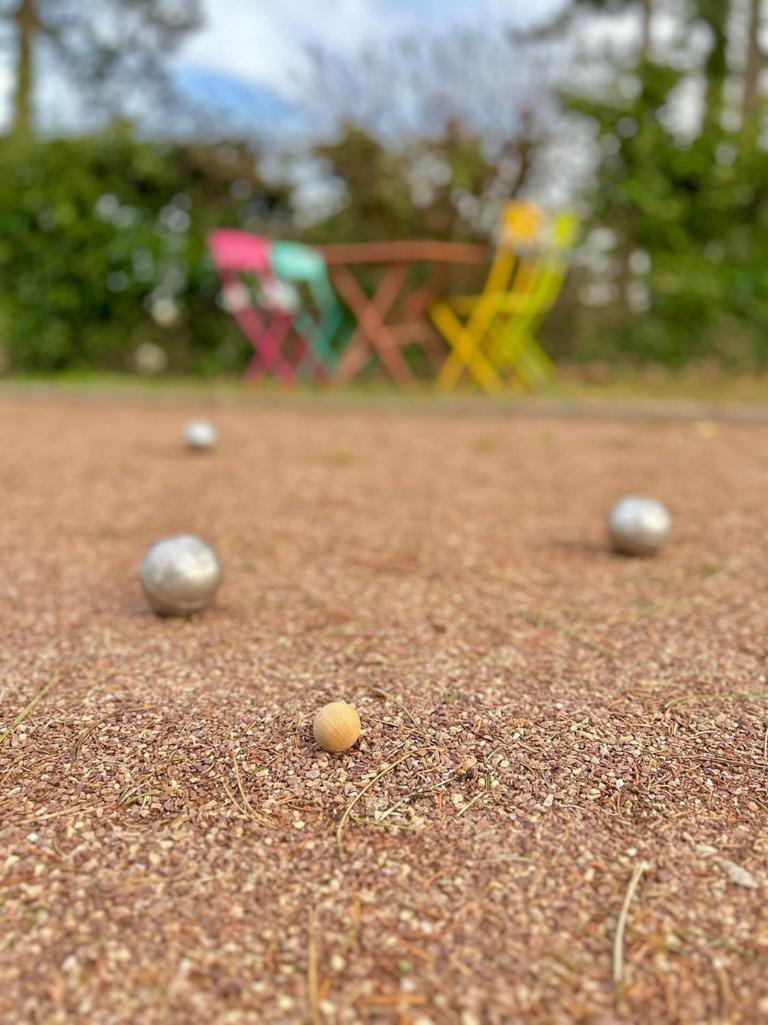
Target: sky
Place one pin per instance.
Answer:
(248, 67)
(250, 54)
(263, 41)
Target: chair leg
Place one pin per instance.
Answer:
(354, 357)
(373, 334)
(280, 330)
(466, 353)
(520, 351)
(255, 367)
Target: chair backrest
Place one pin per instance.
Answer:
(296, 262)
(521, 224)
(292, 261)
(564, 228)
(518, 248)
(235, 250)
(548, 272)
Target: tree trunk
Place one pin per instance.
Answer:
(750, 108)
(25, 18)
(645, 30)
(715, 14)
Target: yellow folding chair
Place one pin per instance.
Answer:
(491, 335)
(514, 347)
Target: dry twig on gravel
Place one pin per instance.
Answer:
(618, 943)
(313, 995)
(28, 709)
(361, 793)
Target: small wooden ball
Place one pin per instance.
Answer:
(336, 726)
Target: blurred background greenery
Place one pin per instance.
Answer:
(647, 116)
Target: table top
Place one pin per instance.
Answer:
(406, 251)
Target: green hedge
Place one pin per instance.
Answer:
(102, 249)
(697, 207)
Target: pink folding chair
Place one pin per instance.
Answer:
(270, 328)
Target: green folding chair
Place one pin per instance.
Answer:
(300, 265)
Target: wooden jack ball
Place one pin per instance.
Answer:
(336, 726)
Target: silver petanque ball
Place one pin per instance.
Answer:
(200, 435)
(638, 526)
(180, 575)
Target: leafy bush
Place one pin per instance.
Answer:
(102, 248)
(696, 210)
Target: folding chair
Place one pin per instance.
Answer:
(515, 346)
(491, 335)
(285, 335)
(299, 264)
(237, 253)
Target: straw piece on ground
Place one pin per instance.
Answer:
(28, 709)
(366, 788)
(618, 943)
(239, 778)
(313, 989)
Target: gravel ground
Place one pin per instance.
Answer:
(550, 732)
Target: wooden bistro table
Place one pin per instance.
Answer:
(393, 311)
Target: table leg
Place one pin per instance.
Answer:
(357, 350)
(416, 308)
(372, 331)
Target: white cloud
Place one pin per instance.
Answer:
(265, 40)
(241, 37)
